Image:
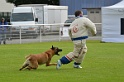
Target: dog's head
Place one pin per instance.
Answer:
(56, 50)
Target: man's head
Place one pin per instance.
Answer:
(2, 19)
(78, 13)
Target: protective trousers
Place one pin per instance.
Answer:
(79, 51)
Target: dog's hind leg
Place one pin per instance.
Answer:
(29, 68)
(25, 65)
(34, 65)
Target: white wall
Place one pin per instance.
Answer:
(111, 24)
(5, 7)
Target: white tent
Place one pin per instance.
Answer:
(113, 23)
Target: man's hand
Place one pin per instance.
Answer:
(94, 35)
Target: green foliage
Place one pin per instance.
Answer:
(103, 63)
(19, 2)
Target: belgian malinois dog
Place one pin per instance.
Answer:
(33, 60)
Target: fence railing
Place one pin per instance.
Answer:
(34, 33)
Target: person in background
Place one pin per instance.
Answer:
(3, 31)
(78, 32)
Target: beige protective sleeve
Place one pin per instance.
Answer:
(91, 26)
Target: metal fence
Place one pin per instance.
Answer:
(18, 34)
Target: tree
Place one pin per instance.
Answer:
(19, 2)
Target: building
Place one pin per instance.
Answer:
(91, 8)
(5, 9)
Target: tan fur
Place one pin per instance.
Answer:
(33, 60)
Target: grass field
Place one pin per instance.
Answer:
(104, 62)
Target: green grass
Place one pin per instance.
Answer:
(104, 62)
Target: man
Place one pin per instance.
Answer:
(3, 30)
(78, 32)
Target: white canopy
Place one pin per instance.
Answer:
(113, 23)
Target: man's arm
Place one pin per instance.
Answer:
(91, 26)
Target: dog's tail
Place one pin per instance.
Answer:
(28, 56)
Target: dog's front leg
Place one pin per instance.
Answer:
(53, 64)
(49, 64)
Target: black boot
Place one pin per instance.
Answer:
(77, 65)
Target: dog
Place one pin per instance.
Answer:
(32, 61)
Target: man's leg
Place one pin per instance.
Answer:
(0, 38)
(4, 38)
(79, 60)
(65, 60)
(69, 57)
